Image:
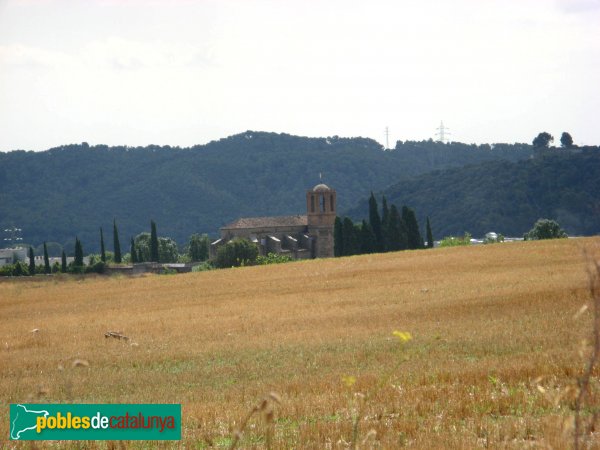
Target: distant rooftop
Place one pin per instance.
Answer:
(261, 222)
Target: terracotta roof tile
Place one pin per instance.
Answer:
(265, 222)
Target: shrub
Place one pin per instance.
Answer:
(75, 269)
(273, 258)
(452, 241)
(545, 229)
(97, 267)
(206, 265)
(7, 270)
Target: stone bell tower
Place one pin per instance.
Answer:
(321, 213)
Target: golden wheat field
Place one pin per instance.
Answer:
(495, 348)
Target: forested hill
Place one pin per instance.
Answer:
(506, 197)
(73, 190)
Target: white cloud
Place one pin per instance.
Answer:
(579, 6)
(24, 56)
(138, 71)
(119, 53)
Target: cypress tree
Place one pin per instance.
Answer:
(78, 253)
(133, 252)
(350, 241)
(367, 240)
(63, 262)
(385, 225)
(31, 262)
(338, 239)
(47, 268)
(429, 235)
(116, 244)
(396, 231)
(153, 242)
(375, 222)
(102, 250)
(412, 227)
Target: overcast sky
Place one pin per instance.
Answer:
(163, 72)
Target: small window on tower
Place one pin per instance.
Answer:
(322, 202)
(331, 205)
(312, 203)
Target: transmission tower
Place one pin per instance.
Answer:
(13, 236)
(442, 132)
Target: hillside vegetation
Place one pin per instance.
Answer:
(73, 190)
(506, 197)
(494, 340)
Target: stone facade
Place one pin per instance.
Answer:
(301, 237)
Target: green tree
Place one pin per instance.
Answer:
(385, 225)
(566, 140)
(338, 237)
(153, 242)
(63, 262)
(397, 235)
(414, 239)
(20, 269)
(167, 250)
(116, 243)
(429, 234)
(237, 252)
(543, 140)
(47, 268)
(102, 250)
(142, 245)
(375, 222)
(78, 253)
(367, 240)
(133, 252)
(198, 247)
(545, 229)
(31, 261)
(350, 239)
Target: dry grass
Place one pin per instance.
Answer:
(489, 325)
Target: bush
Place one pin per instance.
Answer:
(451, 241)
(10, 270)
(273, 258)
(75, 269)
(236, 253)
(97, 267)
(204, 266)
(545, 229)
(17, 269)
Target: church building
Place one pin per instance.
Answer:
(301, 237)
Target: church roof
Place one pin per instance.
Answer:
(321, 187)
(265, 222)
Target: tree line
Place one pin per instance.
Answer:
(145, 247)
(392, 230)
(201, 187)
